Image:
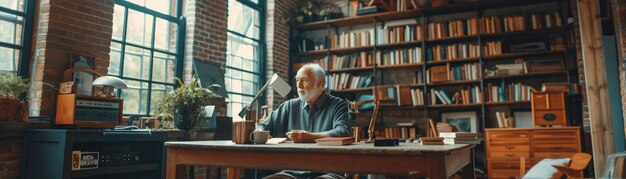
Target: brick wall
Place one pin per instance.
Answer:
(277, 38)
(80, 26)
(581, 66)
(619, 15)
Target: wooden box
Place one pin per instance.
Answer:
(548, 108)
(88, 111)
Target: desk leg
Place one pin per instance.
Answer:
(174, 170)
(468, 170)
(233, 173)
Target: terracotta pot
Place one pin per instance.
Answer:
(10, 109)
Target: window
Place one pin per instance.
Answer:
(145, 51)
(244, 53)
(16, 17)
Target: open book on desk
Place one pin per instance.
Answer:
(277, 140)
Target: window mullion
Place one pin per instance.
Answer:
(151, 64)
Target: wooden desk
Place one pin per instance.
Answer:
(408, 159)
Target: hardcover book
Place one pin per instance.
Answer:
(334, 141)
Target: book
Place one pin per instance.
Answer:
(431, 140)
(456, 134)
(334, 140)
(452, 141)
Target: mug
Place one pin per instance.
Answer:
(259, 137)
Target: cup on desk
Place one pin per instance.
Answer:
(259, 137)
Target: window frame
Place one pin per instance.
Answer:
(260, 8)
(27, 33)
(178, 54)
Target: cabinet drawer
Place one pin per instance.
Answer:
(507, 174)
(563, 135)
(509, 136)
(509, 148)
(555, 147)
(505, 168)
(556, 117)
(508, 155)
(556, 101)
(543, 155)
(540, 101)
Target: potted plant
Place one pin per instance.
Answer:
(11, 88)
(184, 106)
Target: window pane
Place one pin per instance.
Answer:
(139, 28)
(13, 4)
(8, 59)
(118, 22)
(163, 6)
(135, 97)
(136, 63)
(243, 19)
(157, 94)
(163, 68)
(10, 28)
(114, 62)
(165, 37)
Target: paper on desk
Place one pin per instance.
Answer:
(276, 140)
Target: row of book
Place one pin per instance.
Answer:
(348, 81)
(505, 121)
(445, 73)
(323, 62)
(511, 92)
(354, 60)
(407, 133)
(400, 56)
(453, 51)
(468, 95)
(352, 39)
(459, 137)
(399, 34)
(454, 28)
(492, 48)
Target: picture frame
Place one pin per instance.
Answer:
(83, 81)
(523, 119)
(135, 120)
(463, 121)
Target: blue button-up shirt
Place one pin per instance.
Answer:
(328, 114)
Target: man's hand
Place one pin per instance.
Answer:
(300, 136)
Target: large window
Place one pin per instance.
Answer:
(15, 29)
(244, 53)
(145, 51)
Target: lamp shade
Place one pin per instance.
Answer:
(110, 81)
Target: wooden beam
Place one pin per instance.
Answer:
(595, 79)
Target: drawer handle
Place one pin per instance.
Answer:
(509, 155)
(557, 148)
(510, 147)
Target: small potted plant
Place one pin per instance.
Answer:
(11, 88)
(184, 107)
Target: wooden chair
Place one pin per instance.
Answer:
(574, 170)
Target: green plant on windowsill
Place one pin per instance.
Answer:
(11, 88)
(184, 106)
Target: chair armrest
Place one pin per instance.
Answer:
(570, 172)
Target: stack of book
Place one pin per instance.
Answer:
(431, 140)
(459, 138)
(504, 121)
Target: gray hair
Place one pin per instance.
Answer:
(320, 74)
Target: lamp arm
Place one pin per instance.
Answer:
(257, 97)
(371, 128)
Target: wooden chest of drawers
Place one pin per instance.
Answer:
(506, 145)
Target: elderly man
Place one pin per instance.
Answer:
(313, 115)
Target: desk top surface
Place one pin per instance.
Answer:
(402, 149)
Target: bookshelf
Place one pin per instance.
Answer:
(482, 34)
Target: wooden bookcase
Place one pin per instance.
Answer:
(479, 9)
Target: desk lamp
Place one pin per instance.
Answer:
(371, 129)
(105, 84)
(277, 83)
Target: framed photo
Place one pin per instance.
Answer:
(82, 80)
(135, 120)
(463, 121)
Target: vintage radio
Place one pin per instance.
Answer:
(88, 111)
(548, 108)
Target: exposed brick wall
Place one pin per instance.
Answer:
(277, 38)
(619, 15)
(81, 26)
(581, 65)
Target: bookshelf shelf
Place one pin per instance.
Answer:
(525, 33)
(475, 105)
(401, 66)
(454, 83)
(508, 103)
(341, 70)
(313, 53)
(523, 54)
(353, 49)
(396, 107)
(460, 60)
(534, 74)
(461, 39)
(358, 20)
(399, 45)
(353, 90)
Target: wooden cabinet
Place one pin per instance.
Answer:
(548, 108)
(506, 145)
(47, 153)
